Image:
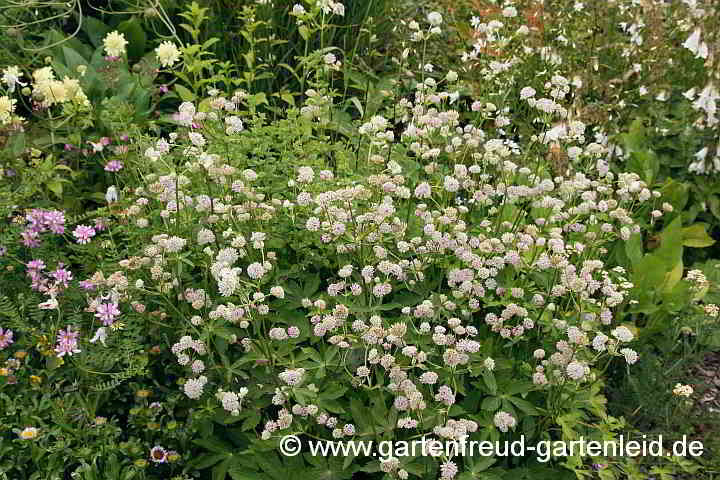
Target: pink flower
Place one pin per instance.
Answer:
(67, 342)
(83, 233)
(6, 338)
(114, 166)
(107, 312)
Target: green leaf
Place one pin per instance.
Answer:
(696, 236)
(676, 194)
(213, 445)
(73, 59)
(56, 187)
(185, 94)
(671, 244)
(304, 32)
(634, 248)
(490, 382)
(355, 101)
(95, 30)
(219, 472)
(208, 460)
(252, 421)
(490, 404)
(17, 143)
(673, 277)
(525, 406)
(135, 35)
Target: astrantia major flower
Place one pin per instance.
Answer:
(504, 421)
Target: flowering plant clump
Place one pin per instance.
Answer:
(446, 249)
(426, 263)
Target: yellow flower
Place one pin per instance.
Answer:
(29, 433)
(4, 372)
(115, 44)
(35, 380)
(20, 354)
(141, 463)
(117, 326)
(143, 393)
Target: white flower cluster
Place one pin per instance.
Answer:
(231, 401)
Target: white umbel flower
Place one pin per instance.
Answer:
(434, 18)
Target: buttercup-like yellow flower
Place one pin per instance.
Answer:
(29, 433)
(143, 393)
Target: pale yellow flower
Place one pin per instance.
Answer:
(683, 390)
(115, 44)
(43, 75)
(167, 54)
(7, 107)
(53, 91)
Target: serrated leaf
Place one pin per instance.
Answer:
(524, 406)
(490, 382)
(490, 404)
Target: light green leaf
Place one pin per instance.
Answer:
(673, 277)
(696, 236)
(304, 32)
(185, 94)
(55, 186)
